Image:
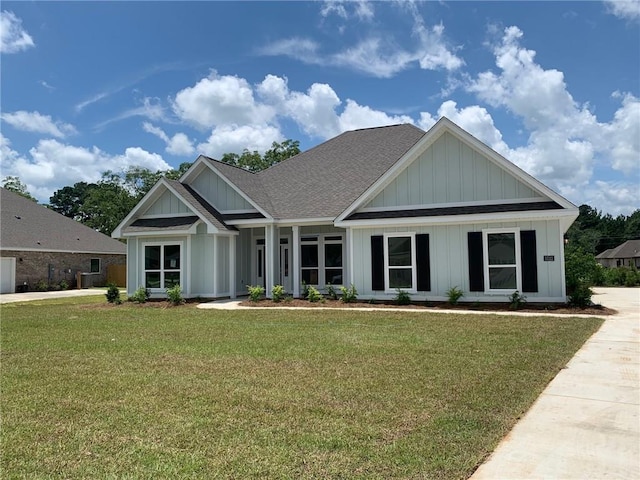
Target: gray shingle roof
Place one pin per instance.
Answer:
(325, 180)
(25, 225)
(628, 249)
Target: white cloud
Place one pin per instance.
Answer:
(150, 108)
(357, 116)
(220, 100)
(234, 139)
(179, 144)
(36, 122)
(378, 52)
(626, 9)
(53, 164)
(13, 38)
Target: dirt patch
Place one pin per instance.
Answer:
(556, 308)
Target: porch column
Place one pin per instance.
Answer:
(232, 266)
(269, 254)
(349, 263)
(215, 266)
(296, 261)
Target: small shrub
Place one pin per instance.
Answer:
(305, 290)
(631, 277)
(277, 293)
(41, 286)
(454, 294)
(349, 294)
(313, 295)
(255, 292)
(64, 285)
(371, 301)
(174, 295)
(580, 295)
(331, 292)
(516, 300)
(288, 299)
(402, 298)
(141, 295)
(113, 294)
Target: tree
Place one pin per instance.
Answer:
(254, 162)
(15, 185)
(69, 201)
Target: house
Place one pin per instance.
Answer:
(626, 254)
(383, 209)
(40, 245)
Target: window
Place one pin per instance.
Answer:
(321, 260)
(95, 265)
(502, 260)
(162, 265)
(400, 262)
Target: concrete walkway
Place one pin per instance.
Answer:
(586, 424)
(30, 296)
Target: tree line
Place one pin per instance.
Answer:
(104, 204)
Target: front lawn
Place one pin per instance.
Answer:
(91, 390)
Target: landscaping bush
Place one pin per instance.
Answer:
(332, 294)
(349, 294)
(313, 295)
(402, 298)
(141, 295)
(113, 294)
(581, 270)
(255, 292)
(516, 300)
(454, 294)
(174, 295)
(580, 295)
(41, 286)
(64, 285)
(277, 293)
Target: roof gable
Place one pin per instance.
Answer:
(628, 249)
(29, 226)
(449, 167)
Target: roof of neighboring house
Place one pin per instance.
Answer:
(628, 249)
(25, 225)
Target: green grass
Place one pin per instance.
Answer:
(95, 391)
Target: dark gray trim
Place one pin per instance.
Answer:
(242, 216)
(165, 223)
(464, 210)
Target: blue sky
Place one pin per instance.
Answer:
(89, 87)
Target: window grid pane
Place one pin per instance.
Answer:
(501, 248)
(399, 251)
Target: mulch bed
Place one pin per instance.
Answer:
(487, 307)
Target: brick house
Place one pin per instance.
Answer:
(40, 245)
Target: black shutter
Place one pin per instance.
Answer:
(377, 262)
(528, 260)
(476, 268)
(422, 262)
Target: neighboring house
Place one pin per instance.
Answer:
(38, 244)
(383, 209)
(626, 254)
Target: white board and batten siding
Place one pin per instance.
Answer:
(219, 193)
(168, 204)
(449, 259)
(451, 172)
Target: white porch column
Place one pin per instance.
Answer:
(349, 262)
(296, 261)
(270, 244)
(232, 266)
(215, 266)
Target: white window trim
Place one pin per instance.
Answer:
(183, 260)
(321, 241)
(414, 270)
(485, 260)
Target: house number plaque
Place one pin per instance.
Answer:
(549, 258)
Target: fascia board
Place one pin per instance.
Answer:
(193, 171)
(562, 215)
(53, 250)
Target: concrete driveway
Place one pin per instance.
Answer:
(586, 424)
(29, 296)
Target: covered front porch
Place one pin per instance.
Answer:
(292, 256)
